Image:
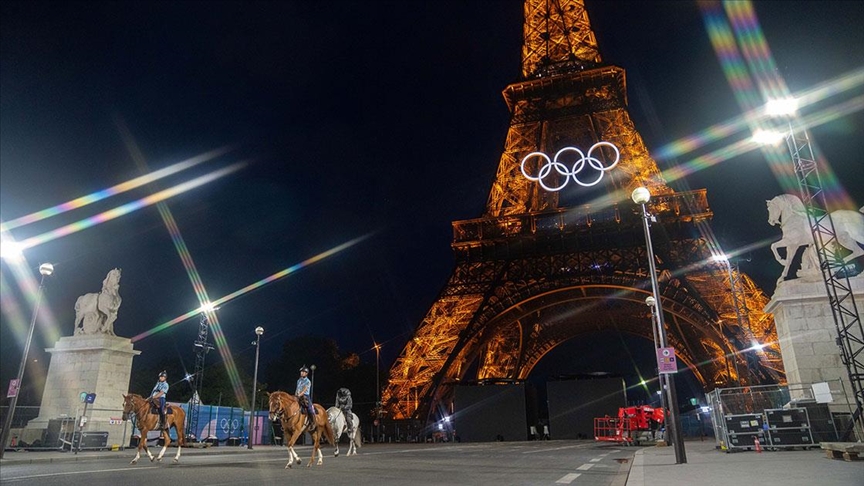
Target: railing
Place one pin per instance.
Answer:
(683, 206)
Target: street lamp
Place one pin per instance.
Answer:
(378, 390)
(252, 426)
(45, 269)
(641, 196)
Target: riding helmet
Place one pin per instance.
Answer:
(304, 369)
(163, 374)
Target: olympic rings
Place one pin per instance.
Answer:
(560, 168)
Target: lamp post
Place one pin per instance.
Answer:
(641, 196)
(377, 390)
(46, 269)
(252, 425)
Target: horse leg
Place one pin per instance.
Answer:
(144, 443)
(179, 442)
(316, 448)
(141, 441)
(352, 449)
(165, 443)
(292, 456)
(774, 247)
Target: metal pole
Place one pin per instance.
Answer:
(672, 397)
(7, 425)
(378, 390)
(312, 383)
(252, 424)
(661, 378)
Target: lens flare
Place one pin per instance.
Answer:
(254, 286)
(114, 190)
(130, 207)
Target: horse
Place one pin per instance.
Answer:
(340, 426)
(286, 408)
(147, 421)
(789, 212)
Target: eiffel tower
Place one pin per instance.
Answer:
(537, 270)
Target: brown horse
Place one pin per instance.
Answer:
(285, 407)
(147, 421)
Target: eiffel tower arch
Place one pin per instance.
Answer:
(541, 268)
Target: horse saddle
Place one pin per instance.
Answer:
(155, 409)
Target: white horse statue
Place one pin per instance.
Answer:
(96, 313)
(789, 212)
(340, 426)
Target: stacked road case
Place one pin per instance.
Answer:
(788, 428)
(743, 430)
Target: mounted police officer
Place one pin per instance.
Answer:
(344, 403)
(304, 387)
(157, 396)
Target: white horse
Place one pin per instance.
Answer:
(788, 211)
(340, 426)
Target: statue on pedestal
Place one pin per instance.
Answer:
(96, 313)
(789, 212)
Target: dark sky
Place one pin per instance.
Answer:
(358, 118)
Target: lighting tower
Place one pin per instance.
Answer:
(850, 333)
(201, 349)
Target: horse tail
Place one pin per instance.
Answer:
(180, 427)
(328, 431)
(358, 437)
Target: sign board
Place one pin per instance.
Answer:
(90, 398)
(666, 362)
(822, 392)
(13, 388)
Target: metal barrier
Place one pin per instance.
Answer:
(829, 412)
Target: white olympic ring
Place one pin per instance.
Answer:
(584, 159)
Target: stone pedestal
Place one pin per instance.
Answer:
(100, 364)
(808, 335)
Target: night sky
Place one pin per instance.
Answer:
(375, 118)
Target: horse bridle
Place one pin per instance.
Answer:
(281, 412)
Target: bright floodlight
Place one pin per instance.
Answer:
(650, 301)
(785, 106)
(259, 330)
(767, 137)
(208, 307)
(640, 195)
(11, 250)
(756, 346)
(46, 269)
(720, 258)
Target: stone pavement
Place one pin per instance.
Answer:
(708, 466)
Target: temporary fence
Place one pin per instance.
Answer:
(792, 415)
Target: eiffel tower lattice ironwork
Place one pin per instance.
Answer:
(534, 272)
